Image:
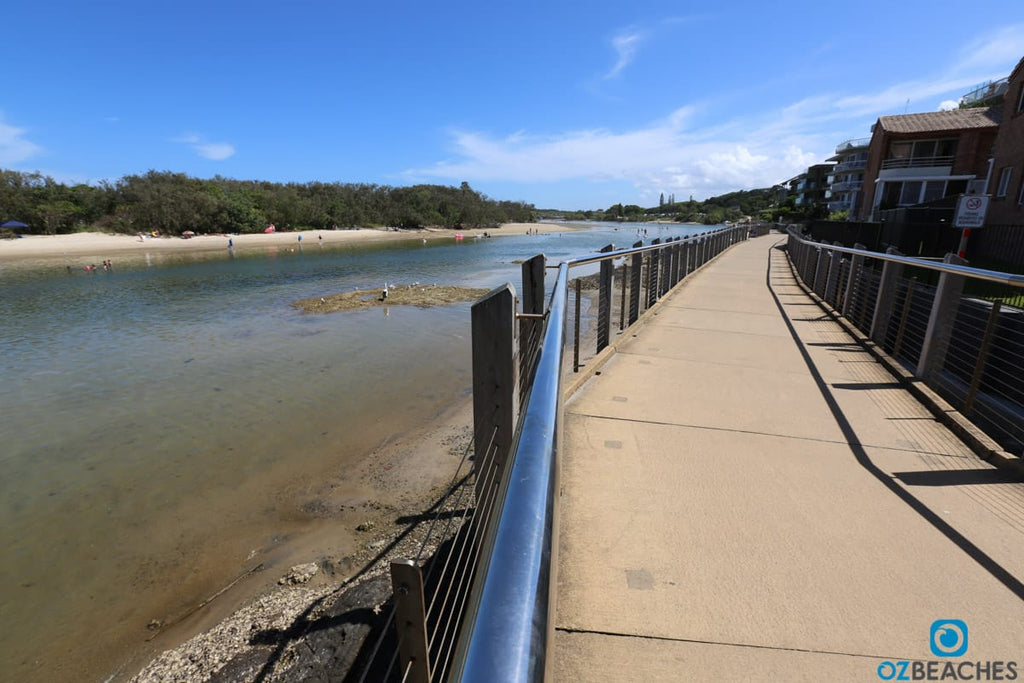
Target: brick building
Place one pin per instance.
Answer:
(1006, 181)
(920, 158)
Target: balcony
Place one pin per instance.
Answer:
(985, 92)
(853, 165)
(850, 145)
(840, 205)
(917, 162)
(846, 186)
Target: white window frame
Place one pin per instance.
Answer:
(1004, 181)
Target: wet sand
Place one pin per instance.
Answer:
(100, 246)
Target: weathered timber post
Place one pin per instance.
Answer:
(410, 620)
(653, 270)
(940, 322)
(494, 379)
(832, 281)
(856, 265)
(530, 329)
(887, 287)
(634, 284)
(604, 300)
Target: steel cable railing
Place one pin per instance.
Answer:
(482, 575)
(969, 349)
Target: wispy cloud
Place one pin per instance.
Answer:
(215, 151)
(625, 45)
(14, 146)
(741, 149)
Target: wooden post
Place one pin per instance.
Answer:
(653, 274)
(856, 265)
(410, 620)
(493, 319)
(940, 322)
(530, 329)
(634, 285)
(887, 287)
(604, 300)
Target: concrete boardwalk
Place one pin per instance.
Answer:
(748, 495)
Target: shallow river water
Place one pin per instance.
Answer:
(157, 419)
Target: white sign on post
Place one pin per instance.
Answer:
(970, 211)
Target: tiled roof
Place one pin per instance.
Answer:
(943, 121)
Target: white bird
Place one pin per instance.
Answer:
(384, 292)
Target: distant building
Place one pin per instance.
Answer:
(812, 187)
(920, 158)
(1006, 182)
(847, 178)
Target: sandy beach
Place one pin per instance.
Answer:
(86, 248)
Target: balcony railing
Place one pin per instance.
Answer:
(847, 186)
(986, 91)
(849, 145)
(917, 162)
(852, 165)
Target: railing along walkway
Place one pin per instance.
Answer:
(748, 495)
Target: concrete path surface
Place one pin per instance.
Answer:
(748, 495)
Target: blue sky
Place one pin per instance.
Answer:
(563, 105)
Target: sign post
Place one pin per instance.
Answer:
(970, 213)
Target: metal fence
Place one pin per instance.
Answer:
(959, 329)
(481, 607)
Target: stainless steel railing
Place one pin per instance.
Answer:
(957, 328)
(481, 606)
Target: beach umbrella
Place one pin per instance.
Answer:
(13, 225)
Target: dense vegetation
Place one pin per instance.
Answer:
(173, 203)
(734, 206)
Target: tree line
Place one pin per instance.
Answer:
(173, 203)
(758, 204)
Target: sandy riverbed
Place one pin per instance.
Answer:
(86, 248)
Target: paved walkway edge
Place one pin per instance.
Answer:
(974, 438)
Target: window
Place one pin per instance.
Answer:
(1004, 181)
(1020, 195)
(1020, 100)
(933, 190)
(911, 193)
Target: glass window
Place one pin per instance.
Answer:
(911, 193)
(956, 187)
(900, 150)
(934, 189)
(946, 148)
(1004, 182)
(1020, 195)
(924, 149)
(1020, 100)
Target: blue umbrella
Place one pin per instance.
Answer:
(13, 225)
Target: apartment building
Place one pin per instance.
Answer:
(920, 158)
(847, 178)
(1006, 182)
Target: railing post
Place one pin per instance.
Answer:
(666, 268)
(979, 365)
(634, 284)
(410, 620)
(604, 300)
(820, 270)
(677, 275)
(622, 299)
(891, 272)
(832, 281)
(940, 322)
(653, 272)
(856, 265)
(494, 370)
(530, 329)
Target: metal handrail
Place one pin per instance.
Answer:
(979, 273)
(510, 613)
(508, 618)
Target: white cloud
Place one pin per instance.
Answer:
(14, 146)
(215, 151)
(741, 149)
(625, 45)
(948, 105)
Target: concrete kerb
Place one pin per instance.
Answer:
(594, 365)
(980, 443)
